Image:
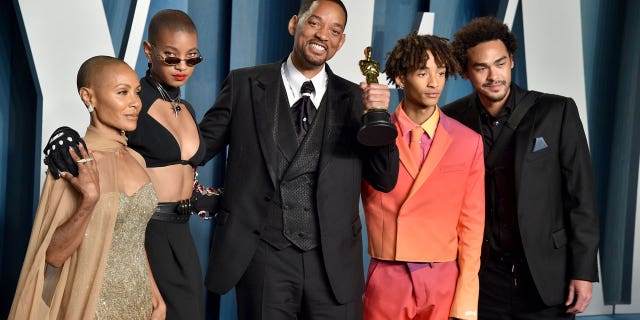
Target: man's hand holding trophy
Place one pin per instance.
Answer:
(376, 129)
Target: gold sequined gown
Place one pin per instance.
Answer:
(126, 288)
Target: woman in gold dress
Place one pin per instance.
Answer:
(86, 257)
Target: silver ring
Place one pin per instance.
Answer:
(83, 160)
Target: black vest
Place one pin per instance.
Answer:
(293, 218)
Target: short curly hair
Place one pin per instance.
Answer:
(480, 30)
(410, 54)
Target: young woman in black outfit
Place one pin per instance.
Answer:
(168, 139)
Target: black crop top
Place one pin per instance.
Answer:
(151, 139)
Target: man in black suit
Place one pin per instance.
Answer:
(539, 254)
(288, 233)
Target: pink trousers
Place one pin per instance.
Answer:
(393, 291)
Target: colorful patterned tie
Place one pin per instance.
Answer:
(303, 110)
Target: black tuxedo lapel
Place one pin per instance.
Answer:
(338, 105)
(285, 136)
(523, 135)
(265, 93)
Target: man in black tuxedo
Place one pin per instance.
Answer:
(288, 233)
(539, 254)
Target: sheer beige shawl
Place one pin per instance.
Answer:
(75, 293)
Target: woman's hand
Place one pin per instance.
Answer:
(68, 236)
(159, 307)
(87, 183)
(56, 153)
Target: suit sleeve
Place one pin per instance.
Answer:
(215, 124)
(470, 231)
(381, 166)
(579, 197)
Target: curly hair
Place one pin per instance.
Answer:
(410, 54)
(480, 30)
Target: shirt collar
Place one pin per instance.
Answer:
(296, 79)
(406, 124)
(431, 124)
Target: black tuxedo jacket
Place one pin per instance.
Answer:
(243, 118)
(555, 192)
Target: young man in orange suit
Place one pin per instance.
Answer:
(425, 236)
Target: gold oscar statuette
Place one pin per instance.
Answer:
(376, 129)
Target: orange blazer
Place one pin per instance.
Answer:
(435, 213)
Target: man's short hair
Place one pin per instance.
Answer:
(171, 19)
(306, 4)
(410, 54)
(481, 30)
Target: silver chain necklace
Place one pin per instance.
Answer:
(173, 101)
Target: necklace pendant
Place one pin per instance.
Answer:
(173, 102)
(176, 108)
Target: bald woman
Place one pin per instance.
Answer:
(86, 257)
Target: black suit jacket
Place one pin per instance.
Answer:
(243, 118)
(555, 191)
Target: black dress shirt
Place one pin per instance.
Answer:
(501, 221)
